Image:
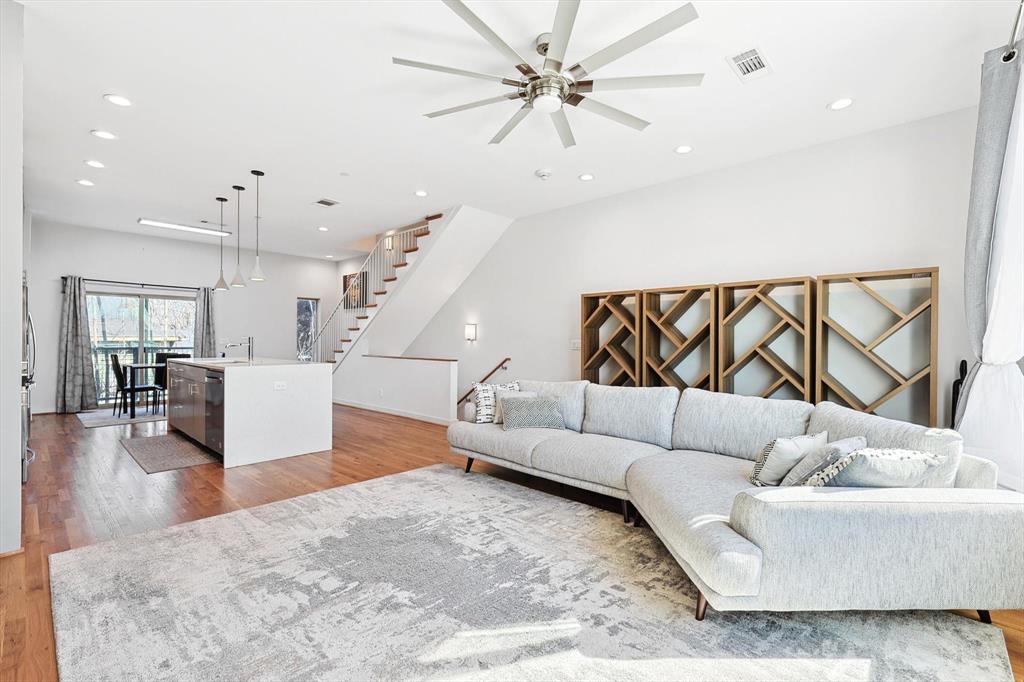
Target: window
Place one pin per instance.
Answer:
(136, 327)
(307, 322)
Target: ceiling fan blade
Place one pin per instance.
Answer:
(490, 36)
(614, 114)
(681, 80)
(565, 17)
(473, 105)
(561, 122)
(512, 123)
(453, 70)
(634, 41)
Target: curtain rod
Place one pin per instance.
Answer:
(130, 284)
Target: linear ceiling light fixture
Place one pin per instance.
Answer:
(257, 272)
(118, 100)
(221, 285)
(184, 228)
(238, 281)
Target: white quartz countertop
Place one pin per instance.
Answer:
(239, 363)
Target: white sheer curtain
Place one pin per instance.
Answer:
(992, 418)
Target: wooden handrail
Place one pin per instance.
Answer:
(500, 365)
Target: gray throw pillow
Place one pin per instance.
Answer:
(878, 468)
(502, 393)
(782, 454)
(819, 459)
(531, 413)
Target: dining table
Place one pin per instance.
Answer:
(132, 368)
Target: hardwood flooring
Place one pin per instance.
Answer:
(84, 488)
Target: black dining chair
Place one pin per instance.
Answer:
(124, 389)
(160, 376)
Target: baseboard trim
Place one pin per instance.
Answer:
(398, 413)
(13, 552)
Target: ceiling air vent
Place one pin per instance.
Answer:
(326, 202)
(750, 65)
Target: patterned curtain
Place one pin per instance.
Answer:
(76, 383)
(205, 339)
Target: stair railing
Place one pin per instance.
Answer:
(362, 295)
(500, 366)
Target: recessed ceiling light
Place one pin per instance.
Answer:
(103, 134)
(85, 183)
(184, 228)
(586, 177)
(421, 193)
(95, 164)
(684, 149)
(328, 256)
(840, 104)
(321, 229)
(118, 100)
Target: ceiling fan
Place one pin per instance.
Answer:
(552, 87)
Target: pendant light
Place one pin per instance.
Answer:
(257, 272)
(238, 281)
(221, 285)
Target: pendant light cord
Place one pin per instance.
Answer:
(222, 239)
(258, 212)
(238, 225)
(1011, 51)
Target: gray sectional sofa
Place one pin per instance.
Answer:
(684, 462)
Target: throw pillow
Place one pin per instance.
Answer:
(815, 461)
(878, 468)
(485, 400)
(531, 413)
(782, 454)
(502, 393)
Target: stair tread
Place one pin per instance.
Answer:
(411, 249)
(370, 305)
(399, 265)
(362, 317)
(379, 293)
(353, 329)
(390, 279)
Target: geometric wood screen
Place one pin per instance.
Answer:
(610, 344)
(679, 333)
(765, 332)
(877, 342)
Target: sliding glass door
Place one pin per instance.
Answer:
(136, 328)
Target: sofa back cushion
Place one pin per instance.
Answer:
(736, 425)
(568, 395)
(641, 414)
(842, 422)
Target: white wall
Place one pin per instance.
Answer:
(11, 226)
(409, 387)
(893, 198)
(264, 310)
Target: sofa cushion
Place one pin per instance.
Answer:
(642, 414)
(687, 497)
(490, 439)
(569, 395)
(590, 457)
(842, 422)
(737, 425)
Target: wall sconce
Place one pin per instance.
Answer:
(470, 332)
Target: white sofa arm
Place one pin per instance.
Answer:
(888, 548)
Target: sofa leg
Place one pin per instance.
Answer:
(469, 464)
(625, 511)
(985, 616)
(702, 606)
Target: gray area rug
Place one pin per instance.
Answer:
(103, 417)
(437, 574)
(166, 452)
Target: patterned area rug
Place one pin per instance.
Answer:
(166, 452)
(103, 417)
(437, 574)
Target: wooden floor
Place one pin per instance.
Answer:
(84, 488)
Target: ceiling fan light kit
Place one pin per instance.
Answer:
(548, 90)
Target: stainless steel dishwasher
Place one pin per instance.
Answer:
(214, 438)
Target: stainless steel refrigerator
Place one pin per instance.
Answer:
(28, 371)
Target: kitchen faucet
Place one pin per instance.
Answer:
(247, 343)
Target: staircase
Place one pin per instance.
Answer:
(366, 293)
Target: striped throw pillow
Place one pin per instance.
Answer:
(485, 399)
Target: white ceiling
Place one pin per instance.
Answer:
(306, 92)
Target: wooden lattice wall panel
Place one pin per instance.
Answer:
(610, 344)
(679, 337)
(877, 342)
(765, 338)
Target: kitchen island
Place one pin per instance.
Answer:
(251, 411)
